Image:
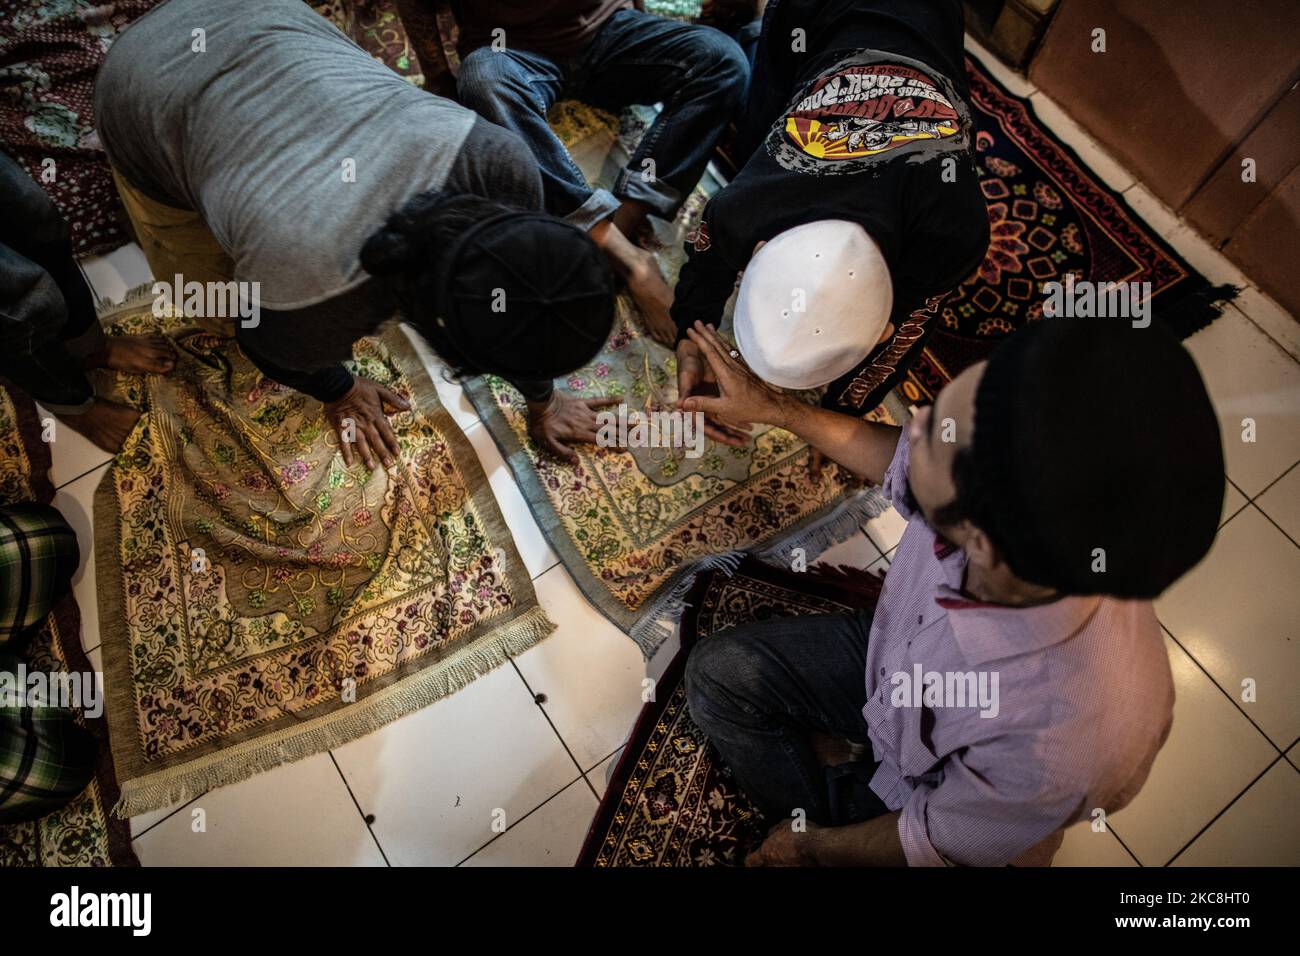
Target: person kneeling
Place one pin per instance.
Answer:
(1045, 511)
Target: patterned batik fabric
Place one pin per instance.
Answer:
(633, 526)
(82, 832)
(1049, 217)
(260, 602)
(670, 800)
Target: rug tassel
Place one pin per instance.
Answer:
(659, 623)
(180, 784)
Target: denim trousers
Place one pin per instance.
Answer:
(758, 690)
(697, 72)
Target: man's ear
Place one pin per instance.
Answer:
(979, 548)
(887, 334)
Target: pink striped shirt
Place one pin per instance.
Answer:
(1076, 697)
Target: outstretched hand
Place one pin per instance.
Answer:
(360, 418)
(561, 420)
(742, 397)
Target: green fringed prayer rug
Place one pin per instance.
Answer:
(671, 801)
(82, 833)
(259, 602)
(634, 526)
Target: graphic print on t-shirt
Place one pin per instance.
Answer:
(857, 114)
(865, 111)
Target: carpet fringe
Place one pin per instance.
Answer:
(190, 780)
(659, 622)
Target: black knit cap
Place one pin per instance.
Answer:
(1092, 434)
(525, 296)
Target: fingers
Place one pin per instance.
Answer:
(388, 397)
(711, 342)
(387, 446)
(365, 432)
(603, 402)
(345, 446)
(724, 437)
(561, 450)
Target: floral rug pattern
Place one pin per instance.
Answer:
(260, 602)
(671, 802)
(632, 526)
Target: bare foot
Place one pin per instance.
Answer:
(146, 354)
(106, 424)
(654, 298)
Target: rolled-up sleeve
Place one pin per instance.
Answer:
(990, 807)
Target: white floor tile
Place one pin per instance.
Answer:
(1282, 503)
(1233, 501)
(857, 552)
(551, 835)
(1249, 376)
(1293, 755)
(1093, 154)
(879, 566)
(113, 275)
(529, 540)
(71, 455)
(598, 776)
(1266, 313)
(1084, 846)
(451, 393)
(299, 814)
(1015, 83)
(437, 779)
(75, 501)
(590, 671)
(1236, 613)
(886, 530)
(1262, 828)
(1212, 753)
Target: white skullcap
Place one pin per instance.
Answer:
(812, 304)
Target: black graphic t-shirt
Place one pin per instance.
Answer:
(876, 134)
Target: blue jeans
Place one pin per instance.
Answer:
(698, 73)
(757, 690)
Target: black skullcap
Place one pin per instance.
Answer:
(1092, 434)
(526, 296)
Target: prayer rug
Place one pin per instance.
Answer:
(1049, 217)
(259, 602)
(634, 526)
(82, 833)
(671, 801)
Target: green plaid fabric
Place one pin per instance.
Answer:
(38, 555)
(46, 757)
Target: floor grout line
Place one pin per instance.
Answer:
(522, 819)
(356, 803)
(1201, 832)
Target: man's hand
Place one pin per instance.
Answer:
(696, 378)
(366, 405)
(742, 396)
(562, 419)
(785, 847)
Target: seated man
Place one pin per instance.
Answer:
(520, 56)
(857, 115)
(1016, 679)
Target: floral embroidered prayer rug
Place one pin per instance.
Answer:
(1049, 217)
(260, 602)
(82, 833)
(670, 800)
(633, 526)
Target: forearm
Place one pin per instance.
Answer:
(325, 385)
(864, 448)
(873, 842)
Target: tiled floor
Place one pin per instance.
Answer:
(509, 770)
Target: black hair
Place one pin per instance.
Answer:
(406, 248)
